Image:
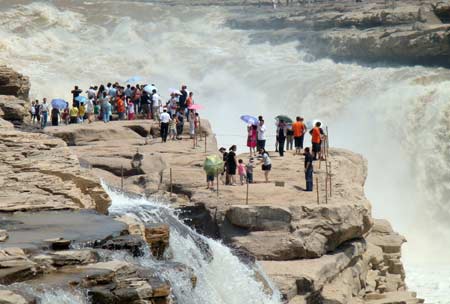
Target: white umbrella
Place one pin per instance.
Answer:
(149, 88)
(312, 123)
(174, 91)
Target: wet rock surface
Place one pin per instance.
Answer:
(34, 230)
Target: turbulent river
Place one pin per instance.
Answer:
(398, 117)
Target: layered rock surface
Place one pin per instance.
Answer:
(329, 251)
(317, 250)
(39, 172)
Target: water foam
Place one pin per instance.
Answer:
(222, 279)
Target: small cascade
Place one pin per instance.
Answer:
(221, 276)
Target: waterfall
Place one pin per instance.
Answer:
(397, 117)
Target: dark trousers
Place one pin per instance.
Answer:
(281, 141)
(164, 131)
(260, 144)
(249, 178)
(309, 179)
(179, 130)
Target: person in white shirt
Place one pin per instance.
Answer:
(165, 120)
(156, 105)
(91, 93)
(33, 112)
(261, 141)
(44, 112)
(266, 163)
(89, 109)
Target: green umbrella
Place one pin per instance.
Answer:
(285, 118)
(213, 165)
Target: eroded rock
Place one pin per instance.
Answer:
(15, 266)
(13, 108)
(3, 235)
(259, 217)
(158, 239)
(13, 83)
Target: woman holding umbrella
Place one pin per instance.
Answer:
(55, 114)
(252, 132)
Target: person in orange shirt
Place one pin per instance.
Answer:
(299, 129)
(317, 137)
(121, 108)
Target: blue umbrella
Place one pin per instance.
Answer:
(249, 119)
(149, 88)
(60, 104)
(134, 79)
(81, 99)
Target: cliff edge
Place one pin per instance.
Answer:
(326, 250)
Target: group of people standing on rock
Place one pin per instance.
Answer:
(289, 136)
(125, 103)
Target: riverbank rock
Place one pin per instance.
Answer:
(3, 235)
(14, 297)
(15, 266)
(40, 230)
(127, 285)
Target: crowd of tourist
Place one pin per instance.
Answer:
(125, 102)
(288, 136)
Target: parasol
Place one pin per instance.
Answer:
(213, 165)
(285, 118)
(58, 103)
(251, 120)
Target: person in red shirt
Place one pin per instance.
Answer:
(299, 129)
(317, 137)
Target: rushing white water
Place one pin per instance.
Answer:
(222, 277)
(398, 117)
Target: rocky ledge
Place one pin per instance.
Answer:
(325, 249)
(55, 236)
(327, 252)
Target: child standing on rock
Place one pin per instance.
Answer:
(249, 167)
(173, 128)
(130, 109)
